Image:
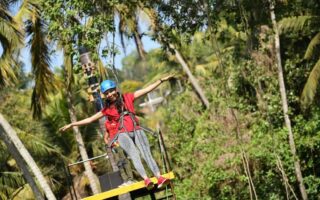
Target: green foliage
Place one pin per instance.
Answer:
(10, 39)
(296, 23)
(229, 48)
(77, 23)
(249, 87)
(44, 81)
(301, 24)
(311, 86)
(130, 86)
(9, 181)
(24, 192)
(35, 136)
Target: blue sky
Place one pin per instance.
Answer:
(56, 58)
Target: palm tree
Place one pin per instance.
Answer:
(22, 165)
(11, 137)
(282, 88)
(68, 67)
(11, 38)
(129, 26)
(35, 136)
(40, 59)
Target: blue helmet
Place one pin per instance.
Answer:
(106, 85)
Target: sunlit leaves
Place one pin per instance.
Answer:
(311, 85)
(10, 39)
(298, 24)
(40, 59)
(77, 22)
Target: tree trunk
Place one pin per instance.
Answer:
(139, 45)
(21, 163)
(83, 152)
(15, 145)
(156, 26)
(68, 61)
(192, 79)
(285, 104)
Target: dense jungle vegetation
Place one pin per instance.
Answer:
(240, 120)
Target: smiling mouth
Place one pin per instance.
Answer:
(112, 98)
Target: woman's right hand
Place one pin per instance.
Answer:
(167, 77)
(66, 127)
(106, 138)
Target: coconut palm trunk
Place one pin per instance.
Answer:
(82, 149)
(192, 79)
(21, 163)
(297, 166)
(139, 45)
(83, 153)
(157, 27)
(11, 137)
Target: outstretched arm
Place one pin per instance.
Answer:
(151, 87)
(85, 121)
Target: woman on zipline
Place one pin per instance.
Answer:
(123, 127)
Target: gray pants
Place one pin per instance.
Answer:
(123, 164)
(141, 141)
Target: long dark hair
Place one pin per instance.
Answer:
(118, 103)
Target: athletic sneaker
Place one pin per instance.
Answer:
(162, 182)
(148, 183)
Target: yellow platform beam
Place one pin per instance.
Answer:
(125, 189)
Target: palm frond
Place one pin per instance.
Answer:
(10, 39)
(102, 70)
(128, 22)
(40, 147)
(44, 78)
(310, 87)
(206, 68)
(5, 191)
(10, 33)
(2, 195)
(4, 4)
(57, 110)
(152, 16)
(122, 31)
(3, 153)
(68, 65)
(312, 45)
(296, 23)
(9, 181)
(27, 10)
(24, 192)
(57, 114)
(7, 74)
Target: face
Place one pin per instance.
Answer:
(111, 94)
